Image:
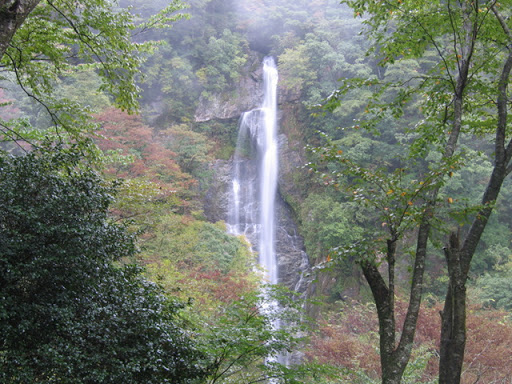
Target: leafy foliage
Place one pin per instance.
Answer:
(431, 104)
(224, 59)
(336, 227)
(246, 343)
(68, 312)
(134, 151)
(379, 187)
(494, 286)
(61, 38)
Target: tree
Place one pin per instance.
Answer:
(495, 288)
(247, 347)
(42, 41)
(463, 91)
(224, 58)
(70, 310)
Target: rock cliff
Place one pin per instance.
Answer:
(293, 263)
(246, 95)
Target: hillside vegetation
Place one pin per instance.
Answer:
(107, 245)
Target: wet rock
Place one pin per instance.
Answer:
(292, 260)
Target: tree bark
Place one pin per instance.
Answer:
(12, 14)
(453, 328)
(453, 317)
(394, 358)
(391, 372)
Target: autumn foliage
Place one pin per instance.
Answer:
(140, 151)
(189, 257)
(349, 339)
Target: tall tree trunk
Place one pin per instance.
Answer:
(453, 329)
(391, 372)
(453, 317)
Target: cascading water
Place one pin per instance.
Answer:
(254, 202)
(252, 210)
(268, 171)
(254, 183)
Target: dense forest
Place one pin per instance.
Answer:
(119, 124)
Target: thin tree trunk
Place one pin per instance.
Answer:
(394, 358)
(381, 295)
(453, 339)
(453, 317)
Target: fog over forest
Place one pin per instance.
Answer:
(236, 191)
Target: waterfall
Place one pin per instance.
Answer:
(254, 202)
(268, 171)
(254, 184)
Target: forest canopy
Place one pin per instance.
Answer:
(118, 126)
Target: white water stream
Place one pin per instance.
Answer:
(253, 205)
(252, 210)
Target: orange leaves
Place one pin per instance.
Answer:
(140, 154)
(339, 340)
(129, 135)
(487, 353)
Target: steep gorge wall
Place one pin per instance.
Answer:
(292, 259)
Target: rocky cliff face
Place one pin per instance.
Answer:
(293, 262)
(247, 95)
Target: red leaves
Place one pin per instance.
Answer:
(488, 354)
(349, 339)
(145, 155)
(213, 288)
